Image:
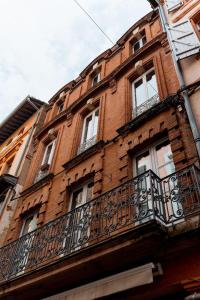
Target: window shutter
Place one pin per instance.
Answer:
(184, 39)
(173, 4)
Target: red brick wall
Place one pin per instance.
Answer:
(111, 165)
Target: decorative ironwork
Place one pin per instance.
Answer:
(181, 194)
(87, 144)
(146, 105)
(143, 198)
(42, 174)
(170, 101)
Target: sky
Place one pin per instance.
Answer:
(46, 43)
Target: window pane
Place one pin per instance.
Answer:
(77, 199)
(88, 129)
(144, 40)
(30, 224)
(96, 119)
(60, 107)
(152, 88)
(136, 46)
(164, 159)
(140, 96)
(143, 163)
(48, 153)
(96, 79)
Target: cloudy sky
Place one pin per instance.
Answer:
(46, 43)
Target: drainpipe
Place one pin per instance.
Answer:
(190, 114)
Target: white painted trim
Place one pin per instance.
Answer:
(51, 154)
(141, 44)
(144, 79)
(84, 186)
(84, 124)
(34, 215)
(152, 152)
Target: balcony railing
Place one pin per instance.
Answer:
(87, 144)
(146, 105)
(41, 175)
(141, 199)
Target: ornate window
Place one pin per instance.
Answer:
(78, 228)
(81, 195)
(144, 92)
(46, 161)
(89, 133)
(157, 158)
(29, 223)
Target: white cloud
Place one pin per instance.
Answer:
(46, 43)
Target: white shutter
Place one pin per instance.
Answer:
(173, 4)
(184, 39)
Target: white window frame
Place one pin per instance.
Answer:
(35, 217)
(23, 256)
(141, 44)
(77, 231)
(154, 167)
(98, 75)
(144, 79)
(92, 113)
(84, 187)
(43, 173)
(51, 154)
(152, 152)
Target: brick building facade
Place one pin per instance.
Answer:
(111, 197)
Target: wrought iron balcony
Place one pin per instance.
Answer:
(87, 144)
(141, 199)
(146, 105)
(41, 175)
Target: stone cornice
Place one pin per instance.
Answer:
(105, 82)
(83, 156)
(147, 115)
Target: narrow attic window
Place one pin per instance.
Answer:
(96, 78)
(139, 43)
(60, 107)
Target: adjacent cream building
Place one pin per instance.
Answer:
(16, 133)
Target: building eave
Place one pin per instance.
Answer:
(19, 116)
